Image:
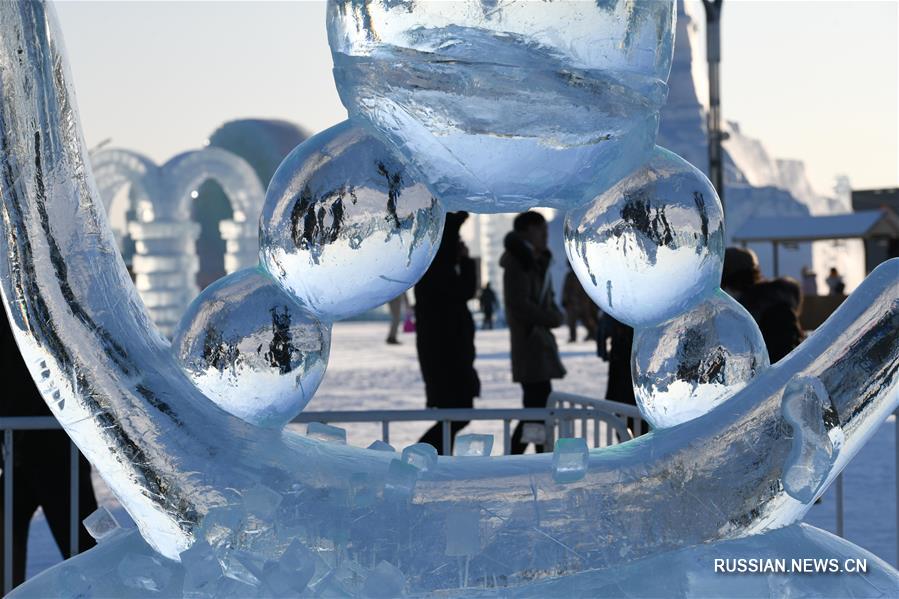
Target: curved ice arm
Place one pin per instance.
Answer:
(170, 455)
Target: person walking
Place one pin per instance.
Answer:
(835, 283)
(488, 304)
(531, 313)
(396, 306)
(445, 329)
(41, 469)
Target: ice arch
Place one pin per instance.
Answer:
(165, 263)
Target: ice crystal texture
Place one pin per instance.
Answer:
(507, 105)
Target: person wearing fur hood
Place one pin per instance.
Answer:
(531, 313)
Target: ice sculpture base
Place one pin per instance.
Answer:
(688, 572)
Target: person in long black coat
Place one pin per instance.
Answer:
(445, 329)
(40, 465)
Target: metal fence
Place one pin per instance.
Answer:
(601, 421)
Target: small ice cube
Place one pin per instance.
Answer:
(570, 458)
(240, 566)
(261, 501)
(381, 446)
(473, 445)
(221, 523)
(362, 490)
(326, 433)
(401, 479)
(421, 455)
(463, 532)
(201, 570)
(143, 572)
(384, 581)
(101, 525)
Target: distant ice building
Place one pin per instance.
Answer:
(188, 222)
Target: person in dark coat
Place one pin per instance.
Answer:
(614, 344)
(488, 305)
(41, 465)
(531, 313)
(445, 329)
(775, 305)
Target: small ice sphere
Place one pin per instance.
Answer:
(345, 227)
(817, 437)
(102, 525)
(326, 432)
(381, 446)
(401, 479)
(570, 459)
(463, 532)
(385, 581)
(143, 572)
(202, 570)
(473, 445)
(651, 246)
(261, 501)
(252, 349)
(685, 367)
(421, 455)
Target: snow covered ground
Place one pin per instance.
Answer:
(366, 374)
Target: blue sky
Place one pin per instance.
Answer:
(813, 80)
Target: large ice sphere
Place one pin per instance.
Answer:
(570, 460)
(507, 105)
(252, 349)
(650, 247)
(685, 367)
(345, 226)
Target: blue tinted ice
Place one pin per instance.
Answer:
(570, 460)
(326, 432)
(101, 524)
(421, 455)
(463, 532)
(473, 445)
(507, 105)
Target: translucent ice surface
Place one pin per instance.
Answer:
(647, 514)
(688, 365)
(346, 227)
(473, 445)
(144, 572)
(379, 445)
(384, 581)
(101, 524)
(570, 457)
(650, 247)
(421, 455)
(463, 532)
(252, 349)
(816, 437)
(507, 105)
(326, 432)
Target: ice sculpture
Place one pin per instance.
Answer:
(345, 228)
(685, 367)
(240, 510)
(165, 263)
(650, 245)
(502, 106)
(253, 350)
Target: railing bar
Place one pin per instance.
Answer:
(385, 431)
(507, 436)
(74, 524)
(584, 427)
(7, 510)
(447, 438)
(596, 432)
(840, 505)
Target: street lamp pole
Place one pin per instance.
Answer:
(713, 54)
